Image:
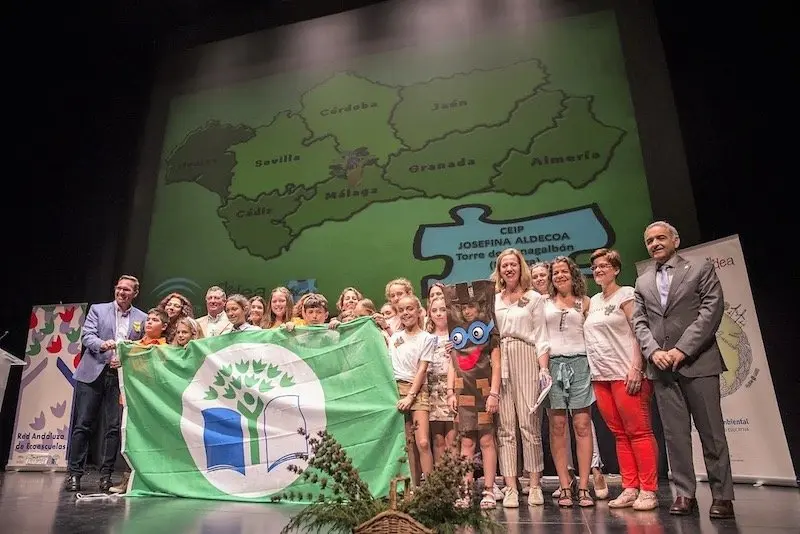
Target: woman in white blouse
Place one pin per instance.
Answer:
(623, 392)
(524, 353)
(565, 312)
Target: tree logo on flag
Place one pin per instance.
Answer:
(241, 414)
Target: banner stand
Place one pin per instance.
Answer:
(44, 411)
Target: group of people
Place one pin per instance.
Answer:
(616, 349)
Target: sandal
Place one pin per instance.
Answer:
(565, 499)
(488, 502)
(585, 499)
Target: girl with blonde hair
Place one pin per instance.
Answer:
(186, 329)
(411, 350)
(348, 299)
(395, 290)
(280, 309)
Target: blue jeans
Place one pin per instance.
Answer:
(91, 400)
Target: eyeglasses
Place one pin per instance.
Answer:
(603, 266)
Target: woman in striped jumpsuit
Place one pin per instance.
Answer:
(524, 353)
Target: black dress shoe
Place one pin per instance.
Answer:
(683, 506)
(105, 483)
(721, 509)
(73, 483)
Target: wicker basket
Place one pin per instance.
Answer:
(391, 521)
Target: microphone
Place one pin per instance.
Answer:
(4, 334)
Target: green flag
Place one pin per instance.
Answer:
(220, 418)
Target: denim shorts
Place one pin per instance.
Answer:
(572, 383)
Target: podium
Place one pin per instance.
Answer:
(6, 361)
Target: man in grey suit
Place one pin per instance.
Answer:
(679, 307)
(97, 385)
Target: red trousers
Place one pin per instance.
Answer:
(628, 418)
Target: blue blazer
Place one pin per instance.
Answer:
(100, 325)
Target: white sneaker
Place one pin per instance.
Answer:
(511, 498)
(498, 493)
(557, 493)
(646, 500)
(535, 496)
(625, 499)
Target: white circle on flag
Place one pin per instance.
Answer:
(241, 416)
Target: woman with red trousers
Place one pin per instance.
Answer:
(622, 390)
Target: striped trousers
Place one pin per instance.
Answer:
(520, 388)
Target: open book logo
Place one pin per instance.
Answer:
(241, 416)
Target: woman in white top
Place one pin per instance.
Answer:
(565, 312)
(623, 393)
(524, 357)
(540, 275)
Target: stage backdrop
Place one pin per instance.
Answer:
(44, 411)
(422, 161)
(758, 447)
(233, 405)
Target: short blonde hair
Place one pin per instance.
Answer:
(192, 325)
(524, 272)
(340, 302)
(404, 282)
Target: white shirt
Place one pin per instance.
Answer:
(523, 320)
(609, 337)
(245, 326)
(214, 326)
(564, 330)
(123, 323)
(407, 350)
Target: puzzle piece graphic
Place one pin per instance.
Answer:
(470, 244)
(301, 287)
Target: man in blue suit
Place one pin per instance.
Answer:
(97, 385)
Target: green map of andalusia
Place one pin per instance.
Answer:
(352, 142)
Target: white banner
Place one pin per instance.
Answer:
(42, 427)
(756, 439)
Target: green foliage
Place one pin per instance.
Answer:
(432, 503)
(349, 502)
(244, 381)
(344, 500)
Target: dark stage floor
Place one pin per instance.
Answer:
(33, 503)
